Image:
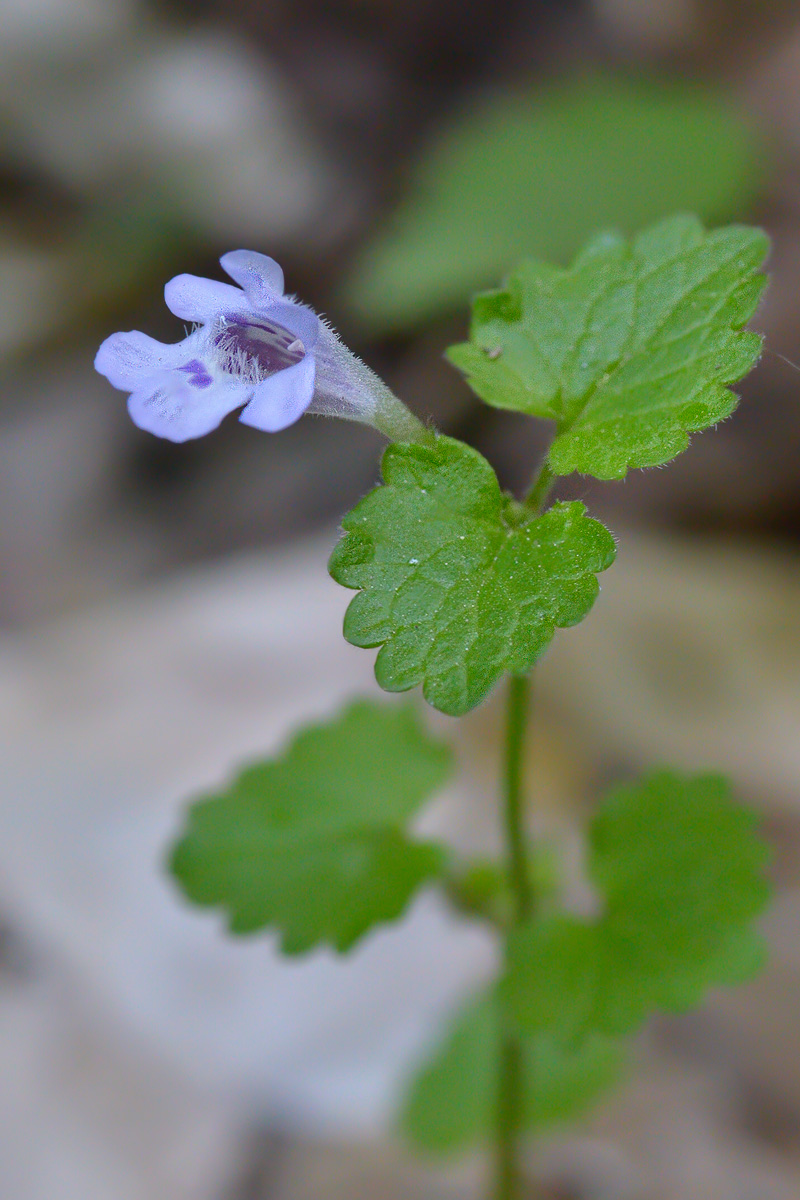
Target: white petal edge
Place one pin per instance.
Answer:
(283, 398)
(259, 275)
(193, 298)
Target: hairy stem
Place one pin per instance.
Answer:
(509, 1101)
(398, 423)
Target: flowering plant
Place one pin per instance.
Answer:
(460, 585)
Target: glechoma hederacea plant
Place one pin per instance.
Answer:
(460, 585)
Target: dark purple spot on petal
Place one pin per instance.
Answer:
(198, 375)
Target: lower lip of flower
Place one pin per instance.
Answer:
(257, 350)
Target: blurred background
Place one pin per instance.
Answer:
(165, 613)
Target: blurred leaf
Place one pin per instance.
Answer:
(313, 843)
(452, 1102)
(629, 349)
(680, 874)
(454, 591)
(538, 173)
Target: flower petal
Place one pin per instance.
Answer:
(172, 408)
(259, 275)
(298, 319)
(283, 398)
(127, 359)
(193, 298)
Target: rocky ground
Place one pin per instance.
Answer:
(145, 1054)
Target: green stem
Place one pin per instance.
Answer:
(508, 1177)
(398, 423)
(540, 488)
(509, 1106)
(516, 719)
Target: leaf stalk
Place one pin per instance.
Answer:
(539, 490)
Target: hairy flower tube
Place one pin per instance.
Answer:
(253, 348)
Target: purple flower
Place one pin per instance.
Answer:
(251, 348)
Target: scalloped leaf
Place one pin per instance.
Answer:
(452, 586)
(680, 874)
(452, 1103)
(629, 350)
(313, 843)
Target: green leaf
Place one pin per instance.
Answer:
(452, 1102)
(680, 876)
(536, 173)
(628, 350)
(453, 588)
(313, 843)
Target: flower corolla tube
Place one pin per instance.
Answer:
(253, 348)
